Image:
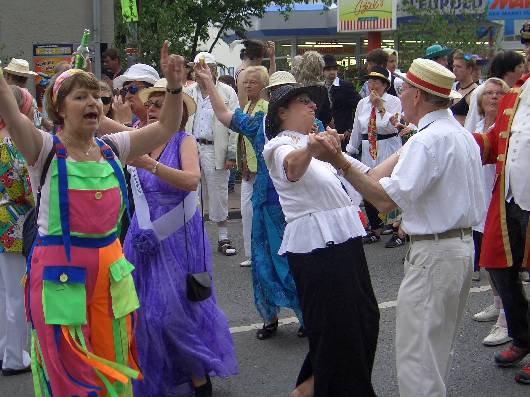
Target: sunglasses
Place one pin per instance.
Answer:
(106, 100)
(468, 57)
(157, 104)
(131, 88)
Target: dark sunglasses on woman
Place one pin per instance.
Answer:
(106, 100)
(132, 88)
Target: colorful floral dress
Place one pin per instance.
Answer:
(15, 196)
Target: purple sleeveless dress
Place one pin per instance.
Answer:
(176, 338)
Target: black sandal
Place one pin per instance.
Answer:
(225, 247)
(267, 331)
(371, 238)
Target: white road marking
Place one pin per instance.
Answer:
(294, 320)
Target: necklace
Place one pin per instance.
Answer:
(87, 153)
(90, 147)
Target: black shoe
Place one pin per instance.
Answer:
(11, 372)
(371, 238)
(395, 241)
(267, 331)
(204, 390)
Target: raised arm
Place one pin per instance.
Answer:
(146, 139)
(271, 50)
(223, 114)
(21, 129)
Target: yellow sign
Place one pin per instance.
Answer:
(366, 15)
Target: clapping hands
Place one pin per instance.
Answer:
(325, 146)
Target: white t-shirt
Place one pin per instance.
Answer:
(121, 140)
(438, 181)
(317, 208)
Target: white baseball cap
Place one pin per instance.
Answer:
(209, 59)
(137, 72)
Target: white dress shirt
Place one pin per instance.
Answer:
(203, 123)
(317, 209)
(518, 156)
(385, 147)
(438, 181)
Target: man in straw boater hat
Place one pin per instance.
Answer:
(438, 184)
(505, 244)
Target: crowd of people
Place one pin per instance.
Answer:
(103, 194)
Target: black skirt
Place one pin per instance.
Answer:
(341, 317)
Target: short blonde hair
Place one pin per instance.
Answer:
(262, 72)
(308, 70)
(500, 83)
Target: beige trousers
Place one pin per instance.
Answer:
(431, 302)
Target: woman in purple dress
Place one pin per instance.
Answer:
(181, 343)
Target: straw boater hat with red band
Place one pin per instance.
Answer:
(431, 77)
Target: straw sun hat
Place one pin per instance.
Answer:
(19, 67)
(280, 78)
(160, 86)
(431, 77)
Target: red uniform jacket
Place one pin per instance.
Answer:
(496, 251)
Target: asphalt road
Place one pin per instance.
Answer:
(269, 368)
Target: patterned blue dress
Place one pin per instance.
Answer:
(272, 282)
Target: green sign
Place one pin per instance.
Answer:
(129, 11)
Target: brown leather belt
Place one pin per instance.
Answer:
(448, 234)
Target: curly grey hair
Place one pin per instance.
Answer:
(308, 69)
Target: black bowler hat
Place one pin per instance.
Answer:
(330, 61)
(379, 72)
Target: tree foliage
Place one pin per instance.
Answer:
(185, 23)
(450, 26)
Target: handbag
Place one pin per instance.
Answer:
(198, 285)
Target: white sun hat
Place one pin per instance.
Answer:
(137, 72)
(19, 67)
(431, 77)
(209, 59)
(160, 86)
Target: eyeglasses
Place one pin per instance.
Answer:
(106, 100)
(493, 93)
(305, 100)
(157, 104)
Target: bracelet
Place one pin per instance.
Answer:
(154, 170)
(344, 169)
(174, 91)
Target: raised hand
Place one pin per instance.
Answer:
(121, 110)
(202, 72)
(172, 66)
(271, 49)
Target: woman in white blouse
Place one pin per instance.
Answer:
(323, 244)
(374, 130)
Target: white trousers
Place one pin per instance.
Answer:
(215, 182)
(247, 187)
(13, 327)
(431, 301)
